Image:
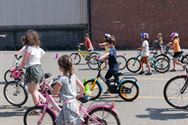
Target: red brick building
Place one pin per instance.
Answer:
(126, 19)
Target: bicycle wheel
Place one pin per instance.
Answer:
(161, 65)
(121, 62)
(184, 60)
(133, 65)
(33, 117)
(95, 90)
(103, 115)
(7, 76)
(172, 92)
(92, 63)
(76, 58)
(163, 56)
(128, 90)
(15, 93)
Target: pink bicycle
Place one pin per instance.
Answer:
(95, 114)
(12, 74)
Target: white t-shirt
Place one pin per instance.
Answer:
(145, 51)
(36, 54)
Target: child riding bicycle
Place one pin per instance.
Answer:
(112, 60)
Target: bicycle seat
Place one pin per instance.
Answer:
(47, 75)
(84, 99)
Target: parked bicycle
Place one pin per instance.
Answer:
(96, 114)
(127, 87)
(161, 65)
(77, 56)
(175, 91)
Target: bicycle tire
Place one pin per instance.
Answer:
(163, 56)
(7, 75)
(161, 69)
(121, 60)
(167, 89)
(184, 60)
(98, 88)
(92, 63)
(76, 58)
(125, 90)
(130, 63)
(28, 113)
(22, 98)
(103, 109)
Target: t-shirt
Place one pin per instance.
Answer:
(36, 54)
(88, 44)
(68, 89)
(145, 51)
(112, 60)
(176, 46)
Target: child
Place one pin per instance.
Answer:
(158, 43)
(177, 50)
(145, 53)
(112, 62)
(31, 59)
(87, 42)
(67, 86)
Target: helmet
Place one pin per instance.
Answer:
(144, 35)
(173, 35)
(107, 37)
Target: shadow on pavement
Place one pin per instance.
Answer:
(164, 114)
(2, 82)
(11, 111)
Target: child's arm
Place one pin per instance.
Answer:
(104, 57)
(56, 88)
(81, 86)
(20, 51)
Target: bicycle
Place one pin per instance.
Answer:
(161, 65)
(76, 56)
(127, 87)
(15, 92)
(92, 64)
(169, 55)
(12, 74)
(47, 112)
(175, 91)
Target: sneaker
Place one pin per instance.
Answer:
(148, 73)
(172, 70)
(34, 112)
(142, 72)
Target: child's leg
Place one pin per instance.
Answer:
(107, 77)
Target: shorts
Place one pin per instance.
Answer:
(177, 55)
(34, 74)
(144, 59)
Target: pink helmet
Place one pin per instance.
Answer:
(173, 35)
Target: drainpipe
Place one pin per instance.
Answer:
(89, 16)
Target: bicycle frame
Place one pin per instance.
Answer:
(50, 100)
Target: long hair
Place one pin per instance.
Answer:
(65, 62)
(31, 38)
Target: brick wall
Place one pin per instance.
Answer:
(126, 19)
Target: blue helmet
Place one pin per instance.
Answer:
(144, 35)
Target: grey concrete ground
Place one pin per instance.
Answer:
(149, 108)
